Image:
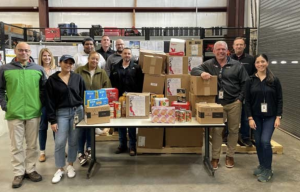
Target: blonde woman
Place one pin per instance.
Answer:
(47, 61)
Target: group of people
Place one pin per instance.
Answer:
(34, 95)
(247, 89)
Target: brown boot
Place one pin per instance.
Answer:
(42, 158)
(215, 163)
(34, 176)
(229, 162)
(17, 182)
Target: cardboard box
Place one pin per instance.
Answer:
(153, 64)
(194, 61)
(154, 83)
(154, 53)
(174, 82)
(18, 30)
(97, 115)
(150, 138)
(177, 65)
(210, 113)
(197, 99)
(194, 47)
(177, 47)
(184, 137)
(203, 87)
(137, 105)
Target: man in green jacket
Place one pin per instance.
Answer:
(21, 88)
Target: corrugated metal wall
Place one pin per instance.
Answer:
(279, 38)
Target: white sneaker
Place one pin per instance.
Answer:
(98, 131)
(57, 176)
(71, 171)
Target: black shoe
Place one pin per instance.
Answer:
(34, 176)
(132, 152)
(17, 182)
(121, 150)
(247, 142)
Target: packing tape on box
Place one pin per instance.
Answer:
(206, 91)
(152, 69)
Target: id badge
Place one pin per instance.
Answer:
(76, 121)
(264, 107)
(221, 94)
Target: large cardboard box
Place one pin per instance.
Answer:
(177, 47)
(153, 64)
(197, 99)
(18, 30)
(184, 137)
(97, 115)
(177, 65)
(150, 138)
(174, 82)
(154, 83)
(154, 53)
(210, 113)
(203, 87)
(137, 105)
(194, 47)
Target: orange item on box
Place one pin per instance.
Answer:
(162, 114)
(180, 106)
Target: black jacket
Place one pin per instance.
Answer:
(247, 61)
(129, 79)
(254, 96)
(232, 80)
(59, 95)
(106, 54)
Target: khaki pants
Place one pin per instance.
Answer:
(232, 112)
(18, 130)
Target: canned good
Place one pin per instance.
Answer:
(182, 116)
(117, 107)
(177, 115)
(188, 116)
(112, 110)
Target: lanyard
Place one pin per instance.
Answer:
(263, 87)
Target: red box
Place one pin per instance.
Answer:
(52, 34)
(179, 106)
(111, 31)
(112, 94)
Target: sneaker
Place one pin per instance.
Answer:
(121, 150)
(245, 142)
(258, 171)
(34, 176)
(57, 176)
(88, 154)
(229, 162)
(17, 182)
(42, 158)
(71, 171)
(98, 131)
(215, 163)
(132, 152)
(82, 159)
(266, 176)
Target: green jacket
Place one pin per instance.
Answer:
(21, 90)
(100, 78)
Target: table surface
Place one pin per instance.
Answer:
(124, 122)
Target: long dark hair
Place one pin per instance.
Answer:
(270, 76)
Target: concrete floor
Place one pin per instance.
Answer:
(147, 173)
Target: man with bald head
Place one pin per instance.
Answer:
(21, 88)
(114, 58)
(231, 80)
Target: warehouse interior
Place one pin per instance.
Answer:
(269, 26)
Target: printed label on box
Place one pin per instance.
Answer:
(194, 62)
(137, 106)
(153, 84)
(141, 141)
(172, 85)
(194, 49)
(176, 65)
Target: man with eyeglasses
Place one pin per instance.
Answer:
(81, 58)
(21, 94)
(231, 80)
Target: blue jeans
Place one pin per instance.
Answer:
(263, 134)
(84, 136)
(43, 130)
(123, 137)
(245, 129)
(66, 131)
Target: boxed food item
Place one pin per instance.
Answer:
(161, 114)
(184, 137)
(152, 98)
(181, 95)
(97, 115)
(97, 102)
(91, 94)
(197, 99)
(112, 94)
(199, 86)
(101, 93)
(194, 61)
(179, 106)
(174, 82)
(154, 53)
(153, 64)
(194, 47)
(177, 47)
(177, 65)
(137, 105)
(154, 83)
(210, 113)
(161, 102)
(150, 138)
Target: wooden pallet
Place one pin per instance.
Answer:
(276, 148)
(107, 137)
(170, 150)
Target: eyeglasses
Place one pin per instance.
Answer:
(24, 50)
(120, 44)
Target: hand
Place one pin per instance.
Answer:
(54, 127)
(205, 75)
(238, 101)
(252, 124)
(277, 122)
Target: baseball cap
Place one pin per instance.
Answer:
(66, 57)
